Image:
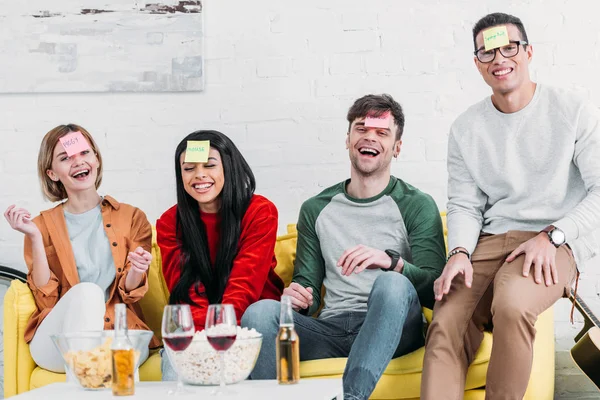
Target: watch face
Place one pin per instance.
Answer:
(558, 236)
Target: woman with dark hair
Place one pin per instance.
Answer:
(217, 243)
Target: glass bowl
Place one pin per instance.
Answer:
(199, 364)
(87, 355)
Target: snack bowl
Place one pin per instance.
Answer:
(87, 355)
(200, 364)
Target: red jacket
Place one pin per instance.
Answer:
(252, 276)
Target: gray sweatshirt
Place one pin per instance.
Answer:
(526, 170)
(400, 218)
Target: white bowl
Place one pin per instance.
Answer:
(199, 364)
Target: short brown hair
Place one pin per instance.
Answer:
(377, 105)
(55, 191)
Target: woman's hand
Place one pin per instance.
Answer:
(20, 220)
(140, 260)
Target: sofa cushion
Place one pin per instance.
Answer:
(402, 377)
(150, 370)
(42, 377)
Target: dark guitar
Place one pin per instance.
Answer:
(586, 353)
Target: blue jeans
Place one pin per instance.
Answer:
(391, 327)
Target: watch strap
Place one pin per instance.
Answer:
(395, 258)
(548, 229)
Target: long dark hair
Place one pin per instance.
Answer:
(238, 188)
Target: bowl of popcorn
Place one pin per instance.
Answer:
(199, 364)
(87, 355)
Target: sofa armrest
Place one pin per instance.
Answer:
(18, 364)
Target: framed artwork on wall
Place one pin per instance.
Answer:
(101, 46)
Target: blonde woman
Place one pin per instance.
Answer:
(84, 255)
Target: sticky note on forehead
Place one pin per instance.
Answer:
(383, 121)
(495, 37)
(197, 151)
(74, 143)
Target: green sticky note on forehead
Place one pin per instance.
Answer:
(495, 37)
(197, 151)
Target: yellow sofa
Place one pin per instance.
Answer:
(401, 379)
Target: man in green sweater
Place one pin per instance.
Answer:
(376, 245)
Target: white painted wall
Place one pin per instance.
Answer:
(280, 76)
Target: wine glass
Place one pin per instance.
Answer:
(177, 333)
(221, 331)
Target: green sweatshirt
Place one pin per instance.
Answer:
(400, 218)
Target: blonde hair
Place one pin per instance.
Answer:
(55, 191)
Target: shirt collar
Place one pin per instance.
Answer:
(107, 200)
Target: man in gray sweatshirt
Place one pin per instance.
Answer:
(523, 214)
(376, 244)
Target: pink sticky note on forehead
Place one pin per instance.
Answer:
(383, 121)
(74, 143)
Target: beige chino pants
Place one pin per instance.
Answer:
(499, 295)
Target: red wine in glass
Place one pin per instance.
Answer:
(221, 343)
(178, 343)
(221, 332)
(177, 332)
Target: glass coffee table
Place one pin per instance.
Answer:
(313, 389)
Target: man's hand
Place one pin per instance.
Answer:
(301, 297)
(457, 264)
(358, 258)
(542, 254)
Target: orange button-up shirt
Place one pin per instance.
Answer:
(126, 228)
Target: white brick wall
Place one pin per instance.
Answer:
(280, 76)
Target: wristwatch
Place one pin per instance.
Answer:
(395, 256)
(557, 236)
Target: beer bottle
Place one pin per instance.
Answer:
(123, 356)
(287, 345)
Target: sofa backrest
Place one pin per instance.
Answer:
(285, 252)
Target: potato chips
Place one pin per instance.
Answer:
(92, 368)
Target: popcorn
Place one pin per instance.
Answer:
(199, 364)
